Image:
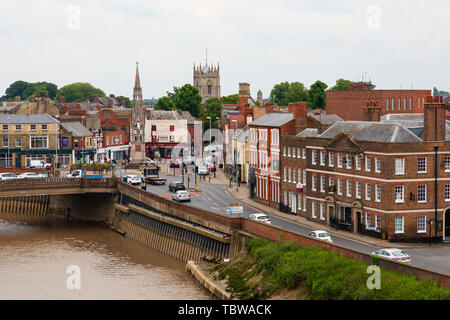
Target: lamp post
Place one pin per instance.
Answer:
(235, 154)
(7, 159)
(209, 130)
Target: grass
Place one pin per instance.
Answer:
(271, 267)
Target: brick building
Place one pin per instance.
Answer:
(348, 104)
(379, 178)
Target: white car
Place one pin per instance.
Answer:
(149, 161)
(181, 195)
(261, 217)
(202, 170)
(393, 254)
(8, 176)
(30, 175)
(134, 179)
(321, 235)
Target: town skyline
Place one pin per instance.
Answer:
(338, 40)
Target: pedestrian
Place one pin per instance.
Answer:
(239, 182)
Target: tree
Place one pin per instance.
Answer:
(16, 89)
(437, 92)
(230, 99)
(78, 92)
(279, 93)
(316, 95)
(285, 92)
(164, 103)
(186, 98)
(341, 84)
(211, 108)
(128, 103)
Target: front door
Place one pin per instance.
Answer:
(358, 221)
(447, 225)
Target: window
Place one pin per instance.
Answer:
(422, 165)
(284, 173)
(18, 127)
(322, 183)
(399, 191)
(18, 142)
(5, 127)
(322, 158)
(399, 166)
(348, 159)
(392, 103)
(322, 211)
(422, 193)
(5, 142)
(314, 182)
(387, 104)
(314, 157)
(447, 192)
(399, 224)
(299, 175)
(368, 191)
(299, 153)
(299, 202)
(404, 103)
(331, 159)
(367, 163)
(410, 103)
(339, 160)
(153, 127)
(358, 190)
(172, 128)
(368, 219)
(289, 151)
(313, 208)
(285, 196)
(304, 203)
(399, 103)
(289, 174)
(377, 165)
(330, 182)
(284, 151)
(377, 222)
(349, 188)
(304, 153)
(421, 224)
(304, 177)
(44, 127)
(32, 127)
(293, 175)
(418, 103)
(447, 164)
(358, 162)
(38, 142)
(340, 183)
(377, 193)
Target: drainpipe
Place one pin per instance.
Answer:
(436, 147)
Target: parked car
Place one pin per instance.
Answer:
(261, 217)
(321, 235)
(149, 161)
(175, 186)
(8, 176)
(134, 179)
(37, 164)
(181, 195)
(30, 175)
(393, 254)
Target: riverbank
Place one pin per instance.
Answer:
(200, 271)
(288, 271)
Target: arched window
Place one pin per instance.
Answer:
(209, 89)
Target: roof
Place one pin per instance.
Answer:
(371, 131)
(324, 118)
(76, 128)
(308, 132)
(26, 118)
(409, 120)
(170, 115)
(273, 119)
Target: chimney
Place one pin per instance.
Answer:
(110, 102)
(299, 112)
(434, 119)
(268, 106)
(244, 94)
(372, 111)
(123, 103)
(62, 99)
(96, 99)
(112, 95)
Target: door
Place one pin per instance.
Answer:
(294, 203)
(447, 224)
(358, 221)
(18, 161)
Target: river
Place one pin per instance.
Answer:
(35, 254)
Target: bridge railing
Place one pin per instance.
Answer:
(81, 182)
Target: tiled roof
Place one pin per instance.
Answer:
(76, 128)
(26, 118)
(308, 132)
(273, 119)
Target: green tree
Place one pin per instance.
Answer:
(230, 99)
(279, 93)
(316, 95)
(186, 98)
(128, 102)
(296, 92)
(164, 103)
(211, 108)
(78, 92)
(341, 84)
(16, 89)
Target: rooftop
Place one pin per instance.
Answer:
(273, 119)
(76, 128)
(26, 118)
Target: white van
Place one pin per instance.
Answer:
(37, 164)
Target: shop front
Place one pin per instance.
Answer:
(161, 150)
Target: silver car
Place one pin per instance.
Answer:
(181, 195)
(30, 175)
(393, 254)
(8, 176)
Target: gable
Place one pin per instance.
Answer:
(344, 142)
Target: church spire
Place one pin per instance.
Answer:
(137, 91)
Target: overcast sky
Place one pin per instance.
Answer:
(397, 43)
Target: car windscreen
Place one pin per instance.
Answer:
(263, 218)
(398, 253)
(323, 235)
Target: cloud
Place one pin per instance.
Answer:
(260, 42)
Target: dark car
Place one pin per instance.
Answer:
(174, 186)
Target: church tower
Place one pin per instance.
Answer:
(137, 123)
(207, 80)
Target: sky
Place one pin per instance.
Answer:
(396, 44)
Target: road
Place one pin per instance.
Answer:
(213, 198)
